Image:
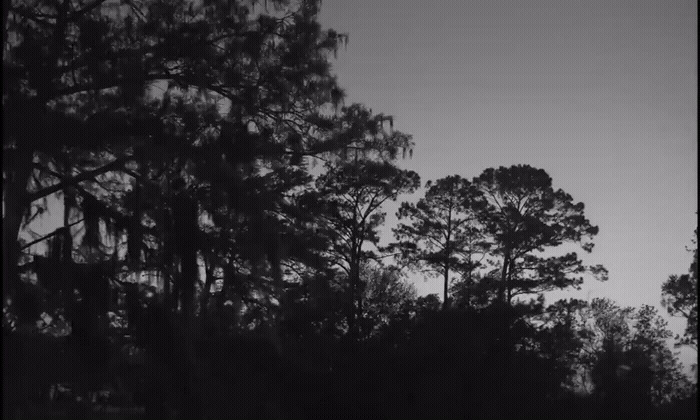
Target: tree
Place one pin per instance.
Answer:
(386, 295)
(442, 232)
(239, 89)
(621, 352)
(523, 216)
(561, 339)
(85, 74)
(351, 195)
(679, 295)
(476, 291)
(631, 361)
(126, 99)
(351, 191)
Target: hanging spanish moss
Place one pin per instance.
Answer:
(133, 203)
(92, 216)
(55, 251)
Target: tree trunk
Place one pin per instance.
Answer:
(359, 290)
(355, 300)
(504, 278)
(14, 198)
(508, 291)
(509, 286)
(447, 284)
(468, 296)
(67, 257)
(189, 275)
(167, 261)
(448, 253)
(186, 237)
(352, 321)
(77, 325)
(190, 407)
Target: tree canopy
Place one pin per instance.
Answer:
(679, 294)
(443, 234)
(524, 216)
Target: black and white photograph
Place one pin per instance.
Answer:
(349, 209)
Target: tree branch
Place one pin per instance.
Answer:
(50, 235)
(84, 176)
(78, 13)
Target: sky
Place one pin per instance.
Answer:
(602, 94)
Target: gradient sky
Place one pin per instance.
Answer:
(602, 94)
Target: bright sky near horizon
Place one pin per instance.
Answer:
(602, 94)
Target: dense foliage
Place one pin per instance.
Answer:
(219, 213)
(680, 297)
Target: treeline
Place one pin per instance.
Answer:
(219, 248)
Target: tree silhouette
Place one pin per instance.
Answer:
(624, 352)
(442, 235)
(351, 195)
(679, 295)
(141, 94)
(523, 216)
(562, 337)
(85, 73)
(386, 295)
